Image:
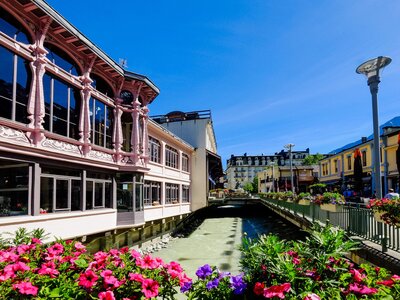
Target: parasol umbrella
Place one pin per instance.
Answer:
(358, 171)
(398, 157)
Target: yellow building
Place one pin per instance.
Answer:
(337, 170)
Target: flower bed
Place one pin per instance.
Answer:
(273, 269)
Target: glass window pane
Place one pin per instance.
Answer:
(47, 100)
(6, 82)
(23, 86)
(61, 59)
(98, 194)
(108, 195)
(75, 195)
(89, 195)
(46, 195)
(62, 194)
(99, 123)
(124, 196)
(75, 108)
(13, 189)
(109, 126)
(11, 26)
(138, 196)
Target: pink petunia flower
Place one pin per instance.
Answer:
(88, 279)
(48, 268)
(277, 291)
(56, 249)
(8, 256)
(312, 296)
(136, 277)
(150, 288)
(357, 276)
(147, 262)
(259, 288)
(26, 288)
(108, 295)
(360, 289)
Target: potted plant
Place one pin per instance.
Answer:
(386, 210)
(288, 196)
(304, 199)
(330, 201)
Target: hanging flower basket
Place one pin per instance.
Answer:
(332, 207)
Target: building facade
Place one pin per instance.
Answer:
(243, 169)
(278, 179)
(337, 170)
(196, 128)
(78, 153)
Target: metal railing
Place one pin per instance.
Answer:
(355, 218)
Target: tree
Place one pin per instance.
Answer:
(255, 184)
(312, 159)
(248, 187)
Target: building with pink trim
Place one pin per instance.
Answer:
(78, 152)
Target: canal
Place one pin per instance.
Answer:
(217, 238)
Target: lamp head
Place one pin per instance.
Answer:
(371, 67)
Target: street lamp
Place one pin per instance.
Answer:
(289, 147)
(371, 69)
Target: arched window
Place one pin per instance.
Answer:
(102, 86)
(13, 28)
(102, 119)
(127, 97)
(15, 81)
(62, 59)
(62, 107)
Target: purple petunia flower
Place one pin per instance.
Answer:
(224, 274)
(186, 286)
(204, 271)
(212, 284)
(238, 284)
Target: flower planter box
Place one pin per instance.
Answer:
(304, 202)
(332, 207)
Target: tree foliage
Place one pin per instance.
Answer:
(312, 159)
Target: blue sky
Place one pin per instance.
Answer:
(271, 71)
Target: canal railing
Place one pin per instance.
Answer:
(355, 218)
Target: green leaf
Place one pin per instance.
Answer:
(81, 263)
(55, 293)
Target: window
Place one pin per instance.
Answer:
(154, 150)
(102, 118)
(12, 27)
(127, 97)
(185, 193)
(101, 85)
(98, 191)
(335, 163)
(60, 190)
(171, 193)
(14, 183)
(62, 107)
(171, 157)
(62, 60)
(15, 81)
(185, 162)
(152, 193)
(349, 162)
(364, 158)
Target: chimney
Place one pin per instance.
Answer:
(363, 139)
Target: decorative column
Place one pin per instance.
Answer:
(145, 135)
(35, 108)
(135, 134)
(84, 118)
(118, 137)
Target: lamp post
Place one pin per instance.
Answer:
(371, 69)
(289, 147)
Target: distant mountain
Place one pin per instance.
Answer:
(395, 122)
